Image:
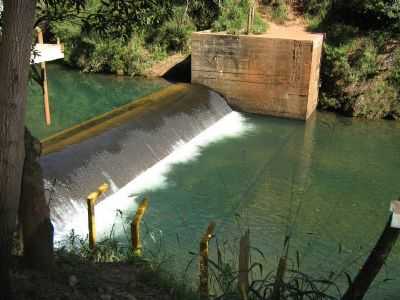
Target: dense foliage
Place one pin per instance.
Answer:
(234, 15)
(118, 36)
(360, 68)
(359, 74)
(125, 36)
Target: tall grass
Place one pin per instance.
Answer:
(233, 18)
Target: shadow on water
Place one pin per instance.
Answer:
(328, 184)
(122, 153)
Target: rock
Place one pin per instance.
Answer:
(130, 297)
(105, 297)
(72, 280)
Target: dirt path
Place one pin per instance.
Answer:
(295, 24)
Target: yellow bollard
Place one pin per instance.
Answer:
(91, 202)
(135, 227)
(203, 265)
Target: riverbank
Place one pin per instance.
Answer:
(74, 278)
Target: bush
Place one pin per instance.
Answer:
(345, 73)
(365, 60)
(174, 35)
(204, 13)
(234, 17)
(367, 14)
(377, 102)
(279, 12)
(395, 74)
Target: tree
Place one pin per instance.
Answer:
(17, 19)
(15, 48)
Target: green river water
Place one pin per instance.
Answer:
(328, 182)
(76, 97)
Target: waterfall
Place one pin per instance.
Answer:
(119, 155)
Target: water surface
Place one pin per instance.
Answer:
(327, 183)
(76, 97)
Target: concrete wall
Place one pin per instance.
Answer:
(267, 74)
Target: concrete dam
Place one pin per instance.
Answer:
(197, 160)
(258, 74)
(77, 160)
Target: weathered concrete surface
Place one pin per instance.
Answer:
(267, 74)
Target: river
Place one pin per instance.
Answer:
(327, 183)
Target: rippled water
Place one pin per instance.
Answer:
(327, 183)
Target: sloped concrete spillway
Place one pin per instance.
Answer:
(157, 126)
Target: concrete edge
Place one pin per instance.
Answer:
(113, 118)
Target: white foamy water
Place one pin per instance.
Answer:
(233, 124)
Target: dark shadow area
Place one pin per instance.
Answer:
(181, 72)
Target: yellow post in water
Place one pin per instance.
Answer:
(135, 227)
(91, 202)
(203, 265)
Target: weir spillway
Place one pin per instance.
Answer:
(84, 157)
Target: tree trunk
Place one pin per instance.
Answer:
(15, 46)
(34, 212)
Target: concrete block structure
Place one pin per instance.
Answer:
(272, 74)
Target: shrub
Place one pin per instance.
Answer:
(376, 102)
(279, 11)
(203, 13)
(365, 60)
(395, 73)
(234, 17)
(174, 35)
(367, 14)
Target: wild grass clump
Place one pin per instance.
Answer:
(174, 35)
(233, 18)
(151, 268)
(286, 281)
(279, 11)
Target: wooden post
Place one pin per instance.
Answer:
(44, 82)
(375, 261)
(135, 227)
(250, 17)
(91, 202)
(203, 265)
(244, 257)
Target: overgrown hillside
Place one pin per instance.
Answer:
(360, 73)
(96, 42)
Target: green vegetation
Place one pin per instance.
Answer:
(279, 11)
(288, 280)
(234, 18)
(96, 42)
(359, 73)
